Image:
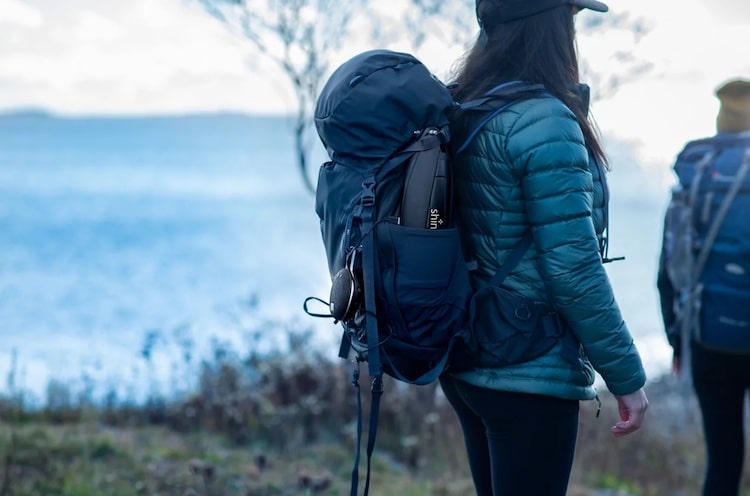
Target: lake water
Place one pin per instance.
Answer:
(129, 245)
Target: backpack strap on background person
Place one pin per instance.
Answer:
(685, 303)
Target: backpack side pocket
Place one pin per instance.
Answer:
(425, 282)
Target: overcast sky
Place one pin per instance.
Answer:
(159, 56)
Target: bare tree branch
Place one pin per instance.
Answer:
(301, 36)
(297, 36)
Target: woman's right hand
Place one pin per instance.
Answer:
(632, 408)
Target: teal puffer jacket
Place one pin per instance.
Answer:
(528, 169)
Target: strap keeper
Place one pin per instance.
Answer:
(377, 385)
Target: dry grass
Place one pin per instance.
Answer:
(286, 424)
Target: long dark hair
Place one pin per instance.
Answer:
(539, 49)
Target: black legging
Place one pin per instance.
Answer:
(720, 381)
(518, 444)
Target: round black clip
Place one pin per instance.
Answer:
(523, 312)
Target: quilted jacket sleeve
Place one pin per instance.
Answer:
(546, 147)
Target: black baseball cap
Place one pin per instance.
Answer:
(512, 10)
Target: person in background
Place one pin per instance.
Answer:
(704, 282)
(536, 172)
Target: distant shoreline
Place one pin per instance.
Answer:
(42, 113)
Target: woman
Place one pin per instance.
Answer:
(536, 168)
(716, 353)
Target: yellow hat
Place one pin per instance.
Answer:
(734, 109)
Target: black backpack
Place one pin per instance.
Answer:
(400, 281)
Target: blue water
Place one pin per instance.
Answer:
(128, 244)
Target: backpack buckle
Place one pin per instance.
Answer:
(368, 193)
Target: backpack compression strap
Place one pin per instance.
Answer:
(375, 368)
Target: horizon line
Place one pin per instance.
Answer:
(42, 112)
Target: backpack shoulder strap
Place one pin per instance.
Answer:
(700, 168)
(513, 258)
(478, 112)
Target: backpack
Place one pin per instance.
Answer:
(707, 243)
(400, 280)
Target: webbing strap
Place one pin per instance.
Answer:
(700, 167)
(355, 470)
(345, 345)
(479, 127)
(495, 101)
(368, 277)
(687, 317)
(426, 378)
(431, 138)
(506, 89)
(377, 392)
(371, 325)
(513, 258)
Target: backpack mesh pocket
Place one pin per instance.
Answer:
(424, 283)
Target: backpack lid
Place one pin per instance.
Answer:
(377, 102)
